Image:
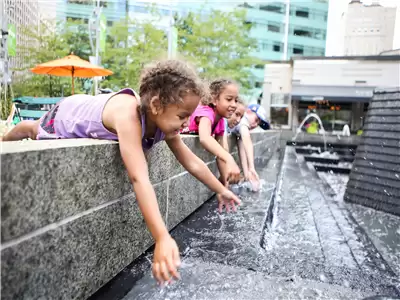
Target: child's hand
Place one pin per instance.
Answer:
(254, 180)
(227, 199)
(166, 259)
(253, 176)
(233, 171)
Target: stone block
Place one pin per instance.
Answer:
(43, 186)
(192, 141)
(374, 180)
(75, 259)
(379, 166)
(395, 128)
(386, 103)
(185, 195)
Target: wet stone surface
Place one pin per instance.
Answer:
(292, 240)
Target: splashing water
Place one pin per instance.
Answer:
(346, 130)
(312, 115)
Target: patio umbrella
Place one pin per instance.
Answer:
(71, 66)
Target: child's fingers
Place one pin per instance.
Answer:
(233, 206)
(172, 267)
(164, 271)
(220, 205)
(228, 208)
(156, 272)
(236, 199)
(176, 257)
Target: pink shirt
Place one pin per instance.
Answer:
(208, 112)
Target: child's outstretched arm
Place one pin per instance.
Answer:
(166, 254)
(248, 147)
(223, 141)
(212, 146)
(199, 169)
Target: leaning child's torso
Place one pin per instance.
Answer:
(81, 116)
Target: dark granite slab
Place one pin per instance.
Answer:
(374, 180)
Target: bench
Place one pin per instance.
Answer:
(32, 108)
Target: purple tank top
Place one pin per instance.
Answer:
(80, 116)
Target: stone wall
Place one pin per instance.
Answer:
(69, 219)
(375, 177)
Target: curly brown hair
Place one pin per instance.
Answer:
(216, 88)
(170, 80)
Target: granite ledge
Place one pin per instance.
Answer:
(55, 179)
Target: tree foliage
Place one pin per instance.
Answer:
(131, 45)
(219, 45)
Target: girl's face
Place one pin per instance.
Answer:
(237, 116)
(226, 103)
(174, 117)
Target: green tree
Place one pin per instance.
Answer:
(219, 44)
(131, 44)
(76, 36)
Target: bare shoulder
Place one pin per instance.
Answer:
(123, 101)
(120, 108)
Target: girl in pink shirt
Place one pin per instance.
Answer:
(208, 122)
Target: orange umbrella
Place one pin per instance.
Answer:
(71, 65)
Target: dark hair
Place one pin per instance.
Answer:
(170, 80)
(216, 88)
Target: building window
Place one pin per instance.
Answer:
(274, 28)
(302, 13)
(258, 84)
(298, 50)
(264, 46)
(272, 8)
(278, 99)
(301, 32)
(279, 116)
(245, 5)
(260, 67)
(319, 34)
(277, 48)
(87, 2)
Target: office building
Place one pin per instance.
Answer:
(369, 29)
(304, 35)
(22, 14)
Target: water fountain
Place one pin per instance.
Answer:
(346, 130)
(322, 130)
